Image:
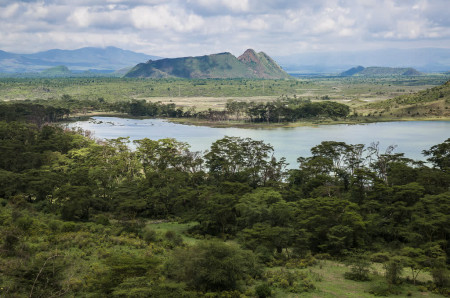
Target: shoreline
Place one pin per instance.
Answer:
(310, 123)
(255, 125)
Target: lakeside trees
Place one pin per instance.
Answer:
(343, 198)
(284, 109)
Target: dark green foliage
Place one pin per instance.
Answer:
(440, 155)
(212, 266)
(441, 277)
(263, 290)
(122, 267)
(393, 270)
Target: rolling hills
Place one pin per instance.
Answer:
(430, 103)
(218, 66)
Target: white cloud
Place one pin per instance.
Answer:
(191, 27)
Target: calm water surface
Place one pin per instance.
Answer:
(410, 137)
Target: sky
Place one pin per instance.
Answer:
(176, 28)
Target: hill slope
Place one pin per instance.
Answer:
(98, 59)
(433, 102)
(380, 71)
(60, 70)
(218, 66)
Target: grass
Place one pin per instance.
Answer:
(333, 284)
(179, 228)
(204, 94)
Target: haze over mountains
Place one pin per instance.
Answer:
(422, 59)
(218, 66)
(107, 59)
(112, 59)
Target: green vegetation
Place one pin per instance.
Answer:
(57, 71)
(430, 102)
(80, 218)
(216, 66)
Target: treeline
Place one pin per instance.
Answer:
(54, 110)
(285, 109)
(282, 110)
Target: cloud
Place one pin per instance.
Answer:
(193, 27)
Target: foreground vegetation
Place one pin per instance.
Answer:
(87, 219)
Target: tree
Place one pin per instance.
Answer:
(439, 155)
(243, 160)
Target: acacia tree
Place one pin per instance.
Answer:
(245, 160)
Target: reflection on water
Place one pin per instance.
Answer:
(411, 137)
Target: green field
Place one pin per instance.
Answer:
(213, 93)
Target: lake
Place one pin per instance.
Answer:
(411, 137)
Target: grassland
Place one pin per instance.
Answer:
(365, 96)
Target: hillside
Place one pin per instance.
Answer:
(57, 71)
(217, 66)
(433, 102)
(380, 71)
(106, 59)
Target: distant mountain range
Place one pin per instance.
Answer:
(219, 66)
(380, 71)
(422, 59)
(91, 59)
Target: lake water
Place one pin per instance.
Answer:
(410, 137)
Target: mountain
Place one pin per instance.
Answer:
(352, 71)
(380, 71)
(218, 66)
(422, 59)
(57, 71)
(106, 59)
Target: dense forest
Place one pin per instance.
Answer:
(76, 215)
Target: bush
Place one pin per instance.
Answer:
(359, 268)
(263, 290)
(441, 277)
(394, 269)
(149, 235)
(380, 289)
(379, 257)
(291, 280)
(212, 266)
(102, 220)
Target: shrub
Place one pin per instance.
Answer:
(291, 280)
(263, 290)
(383, 289)
(212, 266)
(359, 268)
(379, 257)
(441, 277)
(102, 220)
(149, 235)
(394, 269)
